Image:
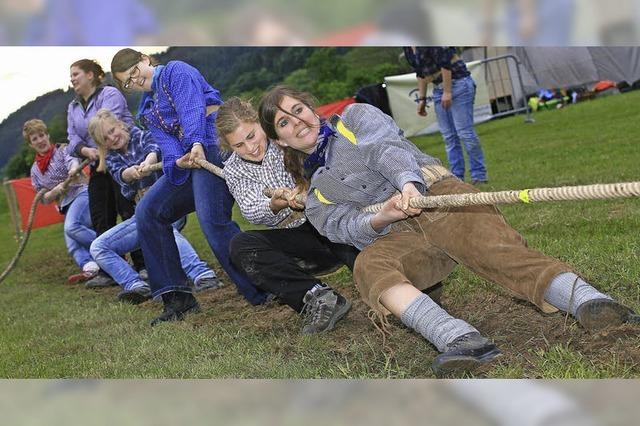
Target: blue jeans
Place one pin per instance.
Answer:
(456, 123)
(165, 202)
(108, 248)
(78, 230)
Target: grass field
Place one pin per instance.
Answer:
(51, 329)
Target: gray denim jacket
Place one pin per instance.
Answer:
(367, 161)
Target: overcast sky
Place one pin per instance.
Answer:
(28, 72)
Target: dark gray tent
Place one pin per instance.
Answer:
(558, 67)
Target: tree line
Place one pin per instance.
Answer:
(329, 73)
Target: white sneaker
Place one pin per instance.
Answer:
(91, 266)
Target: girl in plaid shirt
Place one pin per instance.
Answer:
(128, 152)
(51, 167)
(279, 261)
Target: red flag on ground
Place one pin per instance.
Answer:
(46, 214)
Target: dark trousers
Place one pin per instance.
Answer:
(105, 203)
(283, 261)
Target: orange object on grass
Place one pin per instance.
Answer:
(46, 214)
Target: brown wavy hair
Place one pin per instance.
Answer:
(89, 65)
(267, 110)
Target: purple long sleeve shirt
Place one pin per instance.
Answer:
(176, 115)
(78, 116)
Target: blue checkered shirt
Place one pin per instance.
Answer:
(176, 115)
(428, 61)
(140, 145)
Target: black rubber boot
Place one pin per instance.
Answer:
(177, 304)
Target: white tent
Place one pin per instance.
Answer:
(499, 90)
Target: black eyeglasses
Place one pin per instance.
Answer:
(135, 73)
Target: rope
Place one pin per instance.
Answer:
(527, 196)
(268, 192)
(11, 200)
(564, 193)
(32, 214)
(199, 161)
(212, 168)
(295, 215)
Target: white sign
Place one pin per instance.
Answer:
(402, 91)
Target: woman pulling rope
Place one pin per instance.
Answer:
(55, 175)
(363, 159)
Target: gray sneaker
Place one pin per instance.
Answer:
(597, 314)
(464, 354)
(322, 309)
(135, 296)
(101, 280)
(207, 283)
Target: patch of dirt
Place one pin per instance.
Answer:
(519, 329)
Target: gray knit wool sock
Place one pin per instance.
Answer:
(559, 291)
(434, 323)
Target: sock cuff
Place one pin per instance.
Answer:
(408, 316)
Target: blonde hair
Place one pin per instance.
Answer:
(231, 114)
(95, 130)
(33, 126)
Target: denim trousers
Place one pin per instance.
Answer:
(108, 249)
(78, 231)
(456, 124)
(164, 202)
(106, 202)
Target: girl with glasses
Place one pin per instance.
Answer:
(178, 107)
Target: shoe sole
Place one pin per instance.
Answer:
(342, 312)
(178, 316)
(133, 298)
(78, 278)
(597, 316)
(110, 284)
(211, 287)
(459, 365)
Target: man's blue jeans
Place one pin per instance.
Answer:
(108, 248)
(164, 203)
(456, 124)
(78, 230)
